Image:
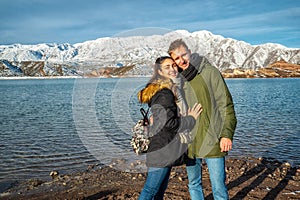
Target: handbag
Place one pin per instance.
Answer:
(140, 134)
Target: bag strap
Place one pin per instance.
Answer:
(145, 116)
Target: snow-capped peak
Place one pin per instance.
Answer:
(138, 50)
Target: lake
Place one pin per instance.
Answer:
(69, 124)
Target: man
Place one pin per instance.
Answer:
(217, 123)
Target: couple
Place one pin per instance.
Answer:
(205, 106)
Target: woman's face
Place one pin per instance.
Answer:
(168, 69)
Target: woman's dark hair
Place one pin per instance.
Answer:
(161, 59)
(156, 67)
(156, 77)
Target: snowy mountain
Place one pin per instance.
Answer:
(140, 51)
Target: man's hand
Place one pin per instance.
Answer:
(225, 144)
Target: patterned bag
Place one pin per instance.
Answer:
(140, 134)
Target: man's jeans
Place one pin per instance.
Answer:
(156, 183)
(216, 167)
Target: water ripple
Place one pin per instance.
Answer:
(38, 132)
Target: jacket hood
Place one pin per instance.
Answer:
(146, 94)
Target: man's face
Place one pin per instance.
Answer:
(181, 56)
(168, 69)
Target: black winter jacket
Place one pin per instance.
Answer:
(164, 148)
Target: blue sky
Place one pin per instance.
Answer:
(74, 21)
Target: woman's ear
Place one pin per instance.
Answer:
(159, 72)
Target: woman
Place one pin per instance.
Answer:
(160, 95)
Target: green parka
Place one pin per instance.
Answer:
(217, 119)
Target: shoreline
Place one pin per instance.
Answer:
(81, 77)
(247, 178)
(38, 77)
(64, 77)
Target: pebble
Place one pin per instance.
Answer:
(287, 164)
(53, 173)
(4, 194)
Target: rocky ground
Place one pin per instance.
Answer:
(248, 178)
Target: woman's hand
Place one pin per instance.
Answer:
(195, 111)
(151, 119)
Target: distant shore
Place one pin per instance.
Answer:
(79, 77)
(64, 77)
(37, 77)
(247, 178)
(278, 69)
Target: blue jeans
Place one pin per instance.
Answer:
(156, 183)
(217, 175)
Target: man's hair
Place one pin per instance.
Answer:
(176, 44)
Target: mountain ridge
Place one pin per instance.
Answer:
(140, 52)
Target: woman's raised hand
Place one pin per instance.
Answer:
(195, 111)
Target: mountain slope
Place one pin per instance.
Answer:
(141, 51)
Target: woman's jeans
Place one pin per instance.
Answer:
(156, 183)
(216, 168)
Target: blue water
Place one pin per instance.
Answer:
(69, 124)
(268, 112)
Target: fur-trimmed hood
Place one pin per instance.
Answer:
(146, 94)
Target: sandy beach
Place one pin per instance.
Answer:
(247, 178)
